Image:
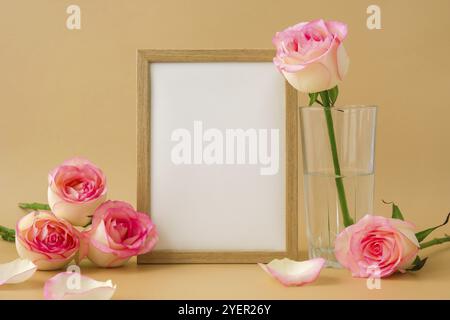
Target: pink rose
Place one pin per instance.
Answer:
(119, 232)
(75, 189)
(51, 243)
(311, 55)
(377, 246)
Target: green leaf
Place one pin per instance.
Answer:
(7, 230)
(312, 98)
(396, 213)
(8, 238)
(333, 94)
(418, 264)
(7, 234)
(34, 206)
(423, 234)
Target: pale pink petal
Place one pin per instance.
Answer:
(407, 229)
(78, 214)
(407, 261)
(84, 245)
(99, 234)
(298, 26)
(27, 221)
(294, 273)
(343, 61)
(16, 271)
(150, 243)
(342, 247)
(101, 253)
(317, 25)
(337, 28)
(64, 286)
(410, 250)
(282, 66)
(104, 259)
(43, 262)
(317, 75)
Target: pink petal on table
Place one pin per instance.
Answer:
(294, 273)
(16, 271)
(67, 286)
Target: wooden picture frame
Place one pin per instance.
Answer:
(144, 60)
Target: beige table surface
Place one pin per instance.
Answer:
(243, 282)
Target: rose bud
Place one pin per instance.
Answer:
(377, 246)
(75, 189)
(49, 242)
(311, 55)
(118, 232)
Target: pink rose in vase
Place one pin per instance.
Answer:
(119, 232)
(311, 55)
(75, 189)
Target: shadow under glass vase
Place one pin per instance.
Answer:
(354, 134)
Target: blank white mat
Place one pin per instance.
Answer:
(201, 207)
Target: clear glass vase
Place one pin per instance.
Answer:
(325, 188)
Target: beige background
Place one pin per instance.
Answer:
(66, 93)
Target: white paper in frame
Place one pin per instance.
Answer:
(217, 156)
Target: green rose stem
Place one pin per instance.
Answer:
(328, 98)
(6, 230)
(434, 242)
(7, 234)
(34, 206)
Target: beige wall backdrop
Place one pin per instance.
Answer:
(66, 93)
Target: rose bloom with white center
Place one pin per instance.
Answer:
(311, 55)
(75, 189)
(48, 241)
(377, 246)
(118, 232)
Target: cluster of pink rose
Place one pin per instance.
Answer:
(82, 223)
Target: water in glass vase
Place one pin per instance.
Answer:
(323, 212)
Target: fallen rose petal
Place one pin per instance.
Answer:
(16, 271)
(60, 286)
(294, 273)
